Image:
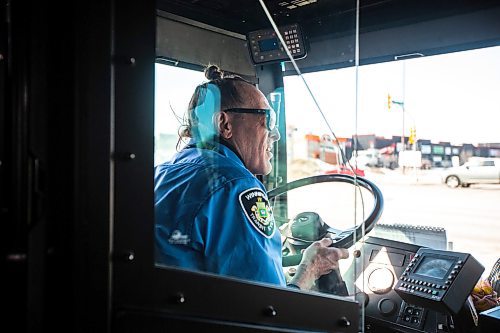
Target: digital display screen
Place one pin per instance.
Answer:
(270, 44)
(434, 267)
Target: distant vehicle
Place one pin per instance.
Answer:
(344, 170)
(388, 157)
(477, 171)
(369, 158)
(426, 164)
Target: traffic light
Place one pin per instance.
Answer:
(389, 102)
(413, 135)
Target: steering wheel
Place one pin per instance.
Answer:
(310, 227)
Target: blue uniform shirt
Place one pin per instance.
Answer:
(213, 215)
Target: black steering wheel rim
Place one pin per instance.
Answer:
(350, 236)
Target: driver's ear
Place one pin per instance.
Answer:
(224, 125)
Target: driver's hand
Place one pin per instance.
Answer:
(317, 260)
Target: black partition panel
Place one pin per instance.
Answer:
(190, 300)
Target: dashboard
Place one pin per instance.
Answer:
(387, 271)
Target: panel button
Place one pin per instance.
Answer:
(387, 306)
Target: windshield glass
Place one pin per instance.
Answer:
(331, 151)
(438, 93)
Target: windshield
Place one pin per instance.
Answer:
(438, 93)
(347, 131)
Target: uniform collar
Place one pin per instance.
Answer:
(222, 147)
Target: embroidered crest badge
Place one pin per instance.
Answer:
(258, 211)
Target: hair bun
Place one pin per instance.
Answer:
(213, 72)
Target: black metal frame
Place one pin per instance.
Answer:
(76, 181)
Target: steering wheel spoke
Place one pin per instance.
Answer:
(343, 238)
(334, 232)
(309, 226)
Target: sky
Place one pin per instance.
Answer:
(453, 98)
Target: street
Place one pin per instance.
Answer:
(470, 216)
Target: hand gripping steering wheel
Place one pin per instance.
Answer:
(331, 283)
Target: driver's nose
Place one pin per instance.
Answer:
(274, 135)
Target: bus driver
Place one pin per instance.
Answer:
(212, 213)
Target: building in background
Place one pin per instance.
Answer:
(434, 154)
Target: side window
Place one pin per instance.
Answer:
(173, 89)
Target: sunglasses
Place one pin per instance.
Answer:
(270, 115)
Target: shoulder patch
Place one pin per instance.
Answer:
(258, 211)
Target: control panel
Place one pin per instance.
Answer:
(439, 280)
(412, 316)
(385, 311)
(265, 46)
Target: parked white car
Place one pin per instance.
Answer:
(367, 158)
(475, 171)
